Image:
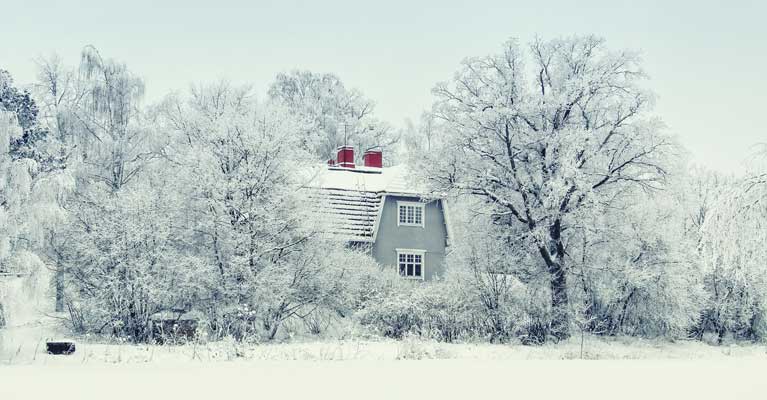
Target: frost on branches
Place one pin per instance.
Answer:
(237, 162)
(332, 115)
(732, 246)
(205, 219)
(550, 134)
(29, 203)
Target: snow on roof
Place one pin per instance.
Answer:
(348, 214)
(377, 180)
(350, 200)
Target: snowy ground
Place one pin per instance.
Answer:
(626, 369)
(390, 379)
(26, 346)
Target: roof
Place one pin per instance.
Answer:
(391, 180)
(350, 201)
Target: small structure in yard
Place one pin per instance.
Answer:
(170, 326)
(60, 347)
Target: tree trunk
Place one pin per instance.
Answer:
(560, 315)
(59, 289)
(554, 255)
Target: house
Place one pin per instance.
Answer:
(381, 210)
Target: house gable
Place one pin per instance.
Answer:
(431, 238)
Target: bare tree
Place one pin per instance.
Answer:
(333, 115)
(109, 115)
(547, 136)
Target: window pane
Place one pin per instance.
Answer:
(418, 270)
(410, 270)
(402, 269)
(417, 258)
(418, 216)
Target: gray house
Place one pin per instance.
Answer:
(381, 210)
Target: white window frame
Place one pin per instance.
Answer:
(413, 252)
(421, 206)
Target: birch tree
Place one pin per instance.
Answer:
(549, 134)
(333, 114)
(112, 137)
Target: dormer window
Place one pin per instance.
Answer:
(410, 213)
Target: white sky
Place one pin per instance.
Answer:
(706, 58)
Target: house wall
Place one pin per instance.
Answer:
(432, 237)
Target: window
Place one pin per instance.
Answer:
(410, 263)
(410, 213)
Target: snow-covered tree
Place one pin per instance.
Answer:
(106, 241)
(333, 114)
(237, 162)
(549, 134)
(29, 207)
(31, 181)
(637, 268)
(733, 233)
(112, 139)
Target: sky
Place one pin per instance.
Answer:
(706, 59)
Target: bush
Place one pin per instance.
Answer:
(448, 311)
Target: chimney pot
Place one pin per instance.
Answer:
(373, 158)
(345, 157)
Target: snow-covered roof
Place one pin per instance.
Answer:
(350, 200)
(391, 180)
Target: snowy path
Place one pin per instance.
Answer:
(439, 379)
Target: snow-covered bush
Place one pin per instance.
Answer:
(638, 270)
(449, 310)
(124, 264)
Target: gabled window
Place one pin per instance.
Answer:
(410, 263)
(410, 213)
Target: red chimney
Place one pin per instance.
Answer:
(373, 158)
(345, 157)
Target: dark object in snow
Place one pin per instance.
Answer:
(60, 347)
(2, 316)
(170, 327)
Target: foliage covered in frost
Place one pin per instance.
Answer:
(571, 210)
(333, 115)
(550, 135)
(206, 218)
(732, 247)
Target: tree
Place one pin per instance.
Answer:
(112, 138)
(28, 208)
(731, 244)
(107, 247)
(58, 95)
(19, 102)
(236, 160)
(334, 115)
(33, 142)
(638, 267)
(549, 136)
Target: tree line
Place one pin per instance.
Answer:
(574, 209)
